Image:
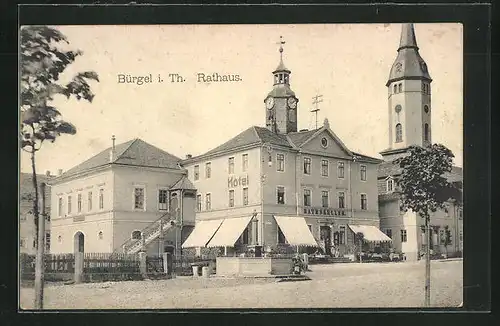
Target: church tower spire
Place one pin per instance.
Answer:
(281, 103)
(409, 97)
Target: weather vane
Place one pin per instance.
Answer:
(281, 42)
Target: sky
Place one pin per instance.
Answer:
(346, 63)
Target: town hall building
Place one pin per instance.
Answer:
(278, 186)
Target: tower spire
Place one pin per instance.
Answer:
(408, 39)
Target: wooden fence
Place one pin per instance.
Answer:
(111, 267)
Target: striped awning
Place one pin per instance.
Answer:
(295, 230)
(370, 233)
(202, 233)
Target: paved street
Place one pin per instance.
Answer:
(332, 286)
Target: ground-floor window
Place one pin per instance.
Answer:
(403, 236)
(342, 235)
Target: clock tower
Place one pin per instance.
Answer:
(409, 97)
(281, 103)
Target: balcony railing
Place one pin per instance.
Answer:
(324, 211)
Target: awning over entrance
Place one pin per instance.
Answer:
(229, 232)
(370, 233)
(203, 231)
(296, 231)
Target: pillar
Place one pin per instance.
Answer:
(142, 264)
(78, 267)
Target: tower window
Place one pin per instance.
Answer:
(426, 132)
(399, 133)
(400, 88)
(395, 89)
(426, 108)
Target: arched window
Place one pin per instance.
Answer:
(400, 88)
(136, 235)
(390, 184)
(426, 108)
(395, 88)
(426, 132)
(399, 133)
(99, 236)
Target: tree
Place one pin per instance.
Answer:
(446, 240)
(424, 188)
(42, 61)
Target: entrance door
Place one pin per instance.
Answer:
(326, 237)
(79, 242)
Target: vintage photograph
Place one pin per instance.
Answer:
(241, 166)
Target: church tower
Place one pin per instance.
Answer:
(409, 98)
(281, 103)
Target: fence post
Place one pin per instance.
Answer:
(78, 267)
(142, 264)
(168, 264)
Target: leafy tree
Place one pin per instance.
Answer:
(42, 61)
(424, 188)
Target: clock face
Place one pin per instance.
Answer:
(269, 103)
(423, 66)
(399, 67)
(292, 102)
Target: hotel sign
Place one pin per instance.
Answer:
(234, 182)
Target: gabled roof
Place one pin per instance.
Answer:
(183, 183)
(134, 152)
(251, 136)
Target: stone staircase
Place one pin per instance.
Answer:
(149, 234)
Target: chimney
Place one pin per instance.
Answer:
(112, 151)
(47, 173)
(188, 156)
(59, 171)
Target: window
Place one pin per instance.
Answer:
(388, 232)
(426, 132)
(208, 170)
(426, 108)
(163, 199)
(198, 202)
(196, 172)
(363, 201)
(324, 168)
(101, 198)
(341, 200)
(423, 88)
(399, 133)
(281, 236)
(441, 237)
(280, 158)
(324, 142)
(47, 241)
(60, 207)
(208, 202)
(363, 172)
(69, 205)
(340, 170)
(79, 203)
(400, 88)
(230, 163)
(403, 236)
(136, 235)
(89, 201)
(390, 185)
(59, 239)
(461, 235)
(100, 236)
(245, 196)
(324, 198)
(307, 197)
(395, 89)
(309, 226)
(244, 162)
(307, 165)
(34, 244)
(231, 198)
(22, 243)
(138, 198)
(281, 195)
(342, 235)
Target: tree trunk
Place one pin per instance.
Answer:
(35, 200)
(428, 264)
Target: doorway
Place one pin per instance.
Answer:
(79, 242)
(325, 232)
